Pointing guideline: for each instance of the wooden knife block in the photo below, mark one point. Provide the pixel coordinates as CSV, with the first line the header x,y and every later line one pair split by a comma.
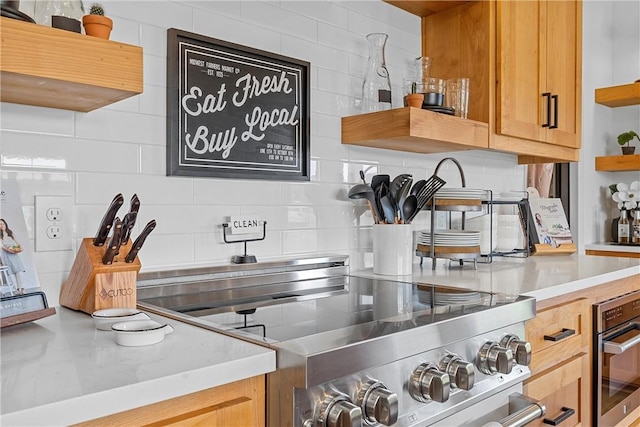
x,y
93,286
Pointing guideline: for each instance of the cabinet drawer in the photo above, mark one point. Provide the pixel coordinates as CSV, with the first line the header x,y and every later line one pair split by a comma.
x,y
562,390
559,332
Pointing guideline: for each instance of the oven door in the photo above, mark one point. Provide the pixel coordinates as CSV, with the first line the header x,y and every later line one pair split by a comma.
x,y
619,376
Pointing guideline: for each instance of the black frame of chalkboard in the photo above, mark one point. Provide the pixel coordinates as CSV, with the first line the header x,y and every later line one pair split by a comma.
x,y
286,156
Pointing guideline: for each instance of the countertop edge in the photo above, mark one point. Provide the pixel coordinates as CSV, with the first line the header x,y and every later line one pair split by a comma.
x,y
611,247
578,285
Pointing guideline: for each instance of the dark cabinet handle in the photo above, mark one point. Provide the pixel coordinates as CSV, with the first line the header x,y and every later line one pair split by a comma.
x,y
555,112
566,413
562,335
548,95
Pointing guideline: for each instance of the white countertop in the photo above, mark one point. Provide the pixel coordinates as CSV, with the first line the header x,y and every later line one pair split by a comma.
x,y
541,277
60,370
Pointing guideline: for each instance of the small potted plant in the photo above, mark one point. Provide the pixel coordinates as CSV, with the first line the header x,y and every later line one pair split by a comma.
x,y
624,139
414,99
96,24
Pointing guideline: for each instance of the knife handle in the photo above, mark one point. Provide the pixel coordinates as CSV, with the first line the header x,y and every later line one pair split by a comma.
x,y
140,240
107,220
114,243
128,222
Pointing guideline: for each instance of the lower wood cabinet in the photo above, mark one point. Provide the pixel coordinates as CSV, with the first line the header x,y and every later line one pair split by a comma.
x,y
562,389
560,337
238,404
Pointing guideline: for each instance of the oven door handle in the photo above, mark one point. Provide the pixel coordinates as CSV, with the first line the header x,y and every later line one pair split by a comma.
x,y
526,410
619,348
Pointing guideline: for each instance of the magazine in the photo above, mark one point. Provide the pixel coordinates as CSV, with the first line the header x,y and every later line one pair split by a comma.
x,y
549,221
17,268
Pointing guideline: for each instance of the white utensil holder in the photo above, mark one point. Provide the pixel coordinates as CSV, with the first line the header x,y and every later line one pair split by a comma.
x,y
393,249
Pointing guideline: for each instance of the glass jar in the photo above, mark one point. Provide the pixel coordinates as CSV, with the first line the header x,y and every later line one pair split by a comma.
x,y
376,89
45,9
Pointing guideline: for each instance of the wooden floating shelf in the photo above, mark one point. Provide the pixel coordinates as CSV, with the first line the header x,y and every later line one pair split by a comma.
x,y
425,8
49,67
619,96
414,130
630,162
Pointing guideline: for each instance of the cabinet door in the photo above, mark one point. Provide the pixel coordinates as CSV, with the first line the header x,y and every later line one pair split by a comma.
x,y
520,71
539,72
563,70
563,390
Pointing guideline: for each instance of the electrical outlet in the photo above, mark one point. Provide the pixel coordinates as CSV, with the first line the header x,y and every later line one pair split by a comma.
x,y
53,223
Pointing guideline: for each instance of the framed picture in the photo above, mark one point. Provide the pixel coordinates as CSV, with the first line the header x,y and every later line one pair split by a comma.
x,y
234,111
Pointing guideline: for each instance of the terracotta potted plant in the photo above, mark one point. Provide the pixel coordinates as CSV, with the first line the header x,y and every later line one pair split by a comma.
x,y
625,138
96,24
414,99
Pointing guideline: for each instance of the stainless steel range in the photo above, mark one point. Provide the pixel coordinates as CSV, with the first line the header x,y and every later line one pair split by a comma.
x,y
358,351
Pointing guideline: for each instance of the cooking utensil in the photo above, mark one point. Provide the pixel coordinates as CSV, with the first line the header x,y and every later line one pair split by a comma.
x,y
129,219
389,210
409,207
404,192
418,186
426,193
395,187
379,179
363,191
137,244
114,243
107,220
364,181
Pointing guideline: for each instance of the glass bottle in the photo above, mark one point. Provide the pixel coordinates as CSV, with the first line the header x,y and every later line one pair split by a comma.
x,y
623,227
635,227
376,89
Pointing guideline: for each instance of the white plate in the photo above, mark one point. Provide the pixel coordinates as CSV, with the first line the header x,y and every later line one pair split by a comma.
x,y
140,332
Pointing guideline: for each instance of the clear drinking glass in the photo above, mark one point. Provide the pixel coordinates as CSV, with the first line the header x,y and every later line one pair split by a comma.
x,y
457,96
376,89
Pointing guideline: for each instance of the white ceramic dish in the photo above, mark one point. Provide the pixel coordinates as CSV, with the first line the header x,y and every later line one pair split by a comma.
x,y
104,319
140,332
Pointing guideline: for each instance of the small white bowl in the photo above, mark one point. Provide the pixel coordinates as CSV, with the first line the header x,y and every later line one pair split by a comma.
x,y
140,332
104,319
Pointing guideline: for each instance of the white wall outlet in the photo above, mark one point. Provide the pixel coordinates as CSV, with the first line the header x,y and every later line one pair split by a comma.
x,y
53,223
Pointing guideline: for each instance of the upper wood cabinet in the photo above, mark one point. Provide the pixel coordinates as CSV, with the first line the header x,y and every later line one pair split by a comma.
x,y
49,67
539,72
513,52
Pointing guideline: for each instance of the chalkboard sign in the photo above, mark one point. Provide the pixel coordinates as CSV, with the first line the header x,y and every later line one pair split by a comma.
x,y
234,111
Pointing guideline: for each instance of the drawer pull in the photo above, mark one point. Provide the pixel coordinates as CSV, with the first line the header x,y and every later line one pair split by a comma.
x,y
562,335
566,413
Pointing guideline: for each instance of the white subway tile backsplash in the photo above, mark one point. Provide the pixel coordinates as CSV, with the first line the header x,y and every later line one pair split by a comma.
x,y
36,119
54,152
153,40
122,148
109,125
264,14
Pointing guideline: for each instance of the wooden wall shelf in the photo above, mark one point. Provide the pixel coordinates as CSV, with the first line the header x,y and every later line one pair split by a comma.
x,y
414,130
425,8
49,67
630,162
619,96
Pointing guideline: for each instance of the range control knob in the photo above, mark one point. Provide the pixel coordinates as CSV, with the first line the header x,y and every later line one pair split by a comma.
x,y
338,411
461,373
378,403
521,349
492,358
428,383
